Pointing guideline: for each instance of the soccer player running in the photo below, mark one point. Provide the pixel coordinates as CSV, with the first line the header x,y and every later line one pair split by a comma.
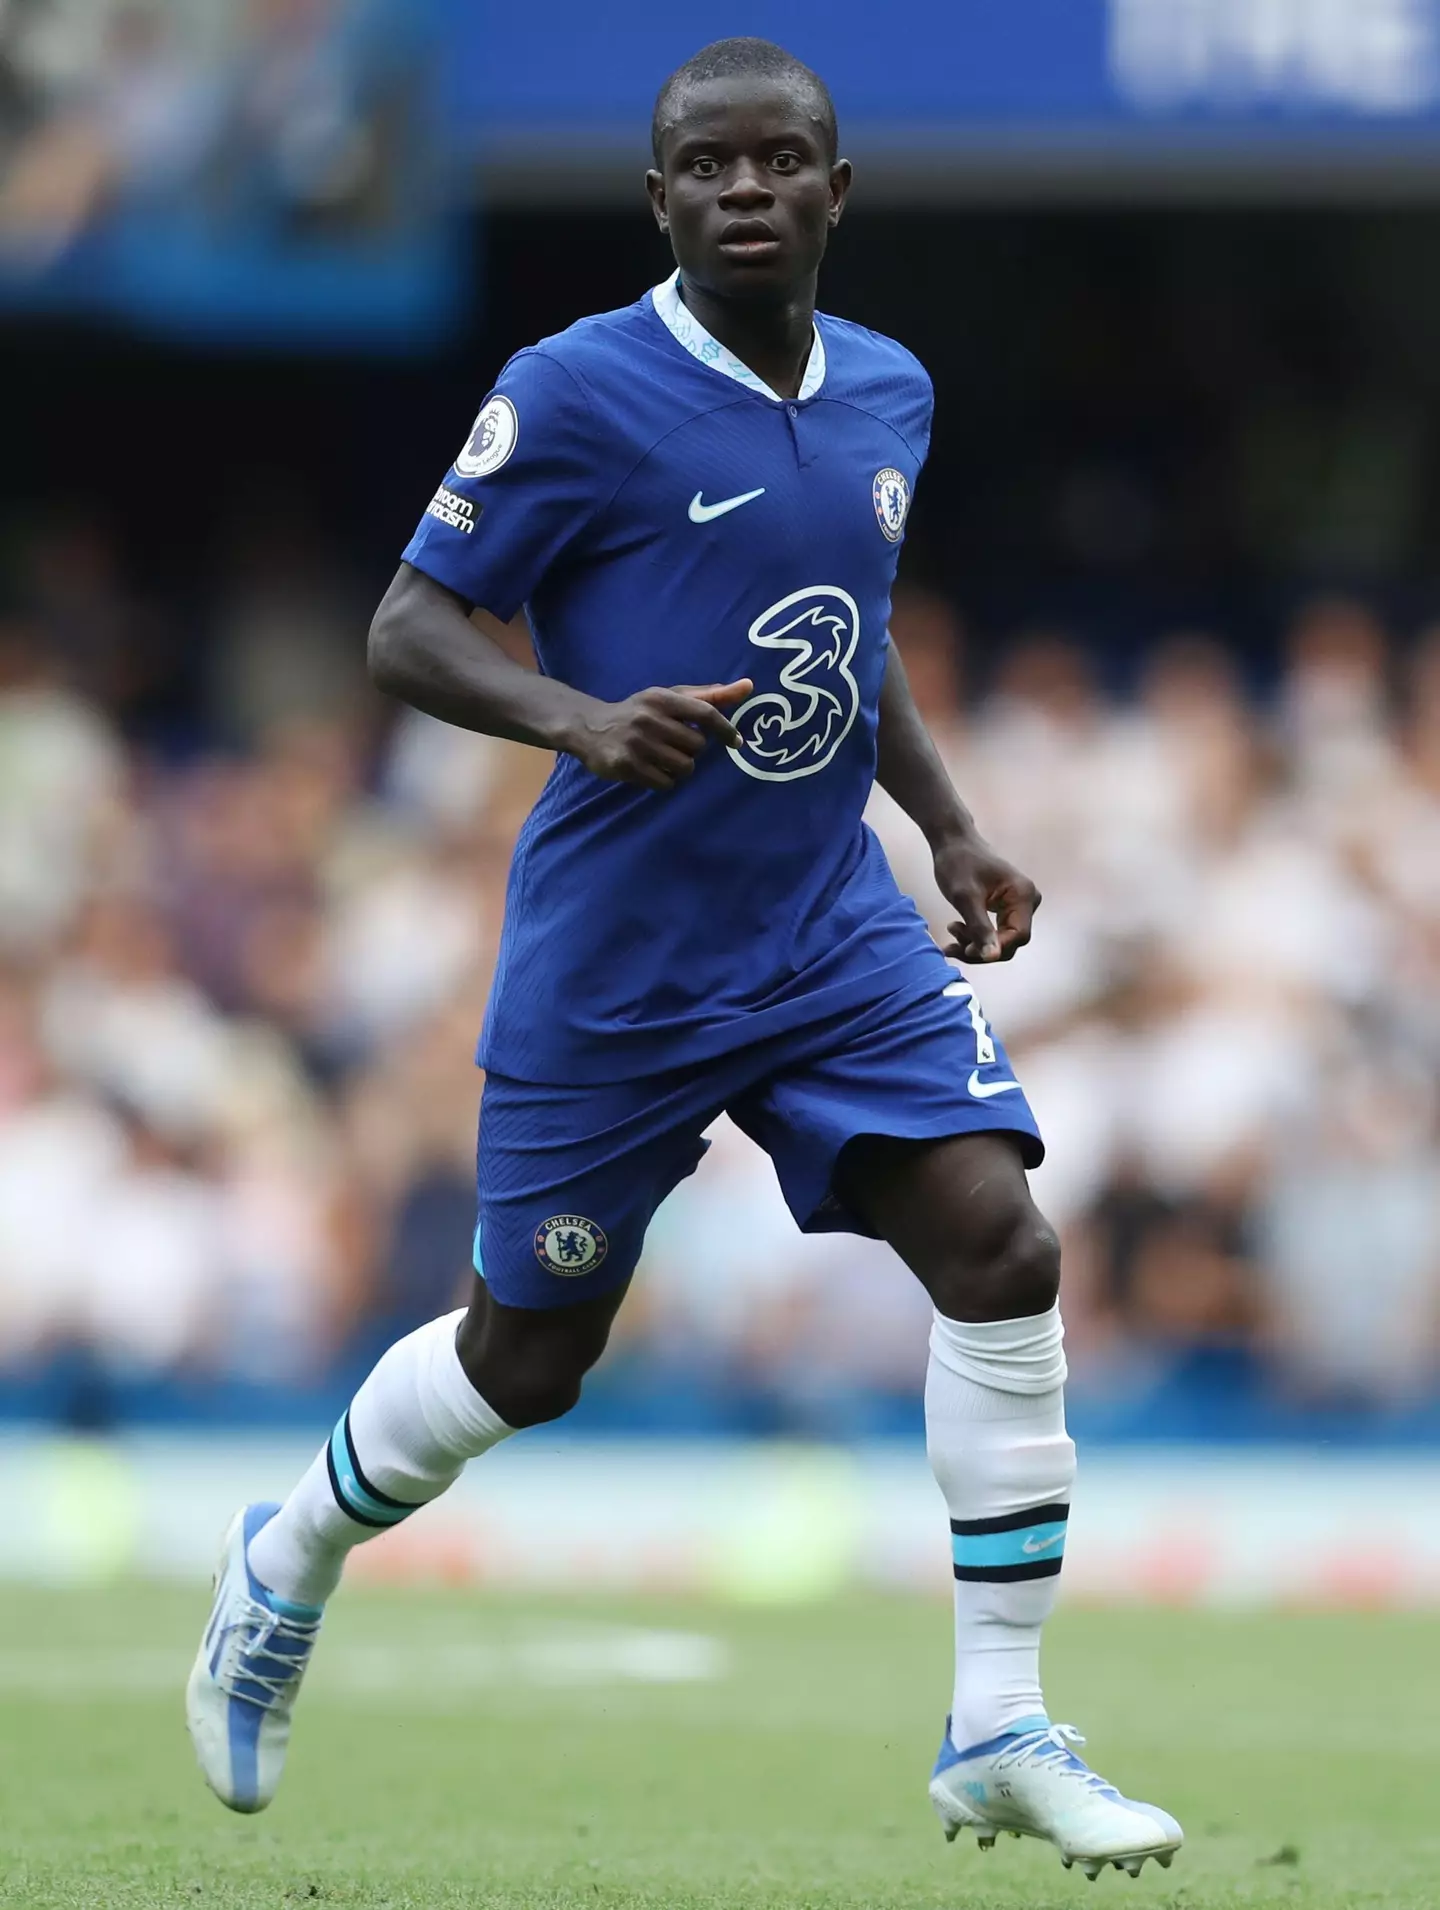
x,y
700,501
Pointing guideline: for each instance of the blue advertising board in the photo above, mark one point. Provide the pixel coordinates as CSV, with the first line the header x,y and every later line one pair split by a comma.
x,y
1259,74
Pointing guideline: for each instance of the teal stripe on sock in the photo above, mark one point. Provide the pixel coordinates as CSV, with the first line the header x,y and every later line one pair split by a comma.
x,y
287,1608
355,1495
1025,1546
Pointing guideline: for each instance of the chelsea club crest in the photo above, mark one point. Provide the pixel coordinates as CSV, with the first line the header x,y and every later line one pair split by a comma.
x,y
891,492
569,1245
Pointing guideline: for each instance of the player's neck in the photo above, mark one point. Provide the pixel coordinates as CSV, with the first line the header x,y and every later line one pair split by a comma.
x,y
773,340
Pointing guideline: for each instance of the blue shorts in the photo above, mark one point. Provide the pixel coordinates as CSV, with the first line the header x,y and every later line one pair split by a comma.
x,y
569,1177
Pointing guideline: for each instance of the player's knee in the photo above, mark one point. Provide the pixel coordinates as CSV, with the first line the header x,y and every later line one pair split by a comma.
x,y
1011,1274
526,1387
535,1397
528,1365
1031,1278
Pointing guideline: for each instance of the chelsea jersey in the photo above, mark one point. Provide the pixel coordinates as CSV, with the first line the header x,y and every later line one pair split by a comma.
x,y
665,518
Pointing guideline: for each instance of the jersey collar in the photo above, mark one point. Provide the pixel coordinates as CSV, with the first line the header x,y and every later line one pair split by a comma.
x,y
683,326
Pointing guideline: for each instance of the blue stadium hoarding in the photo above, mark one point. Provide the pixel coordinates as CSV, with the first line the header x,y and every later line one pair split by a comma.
x,y
1262,82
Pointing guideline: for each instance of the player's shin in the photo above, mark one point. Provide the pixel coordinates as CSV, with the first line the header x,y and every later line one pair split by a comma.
x,y
404,1439
995,1429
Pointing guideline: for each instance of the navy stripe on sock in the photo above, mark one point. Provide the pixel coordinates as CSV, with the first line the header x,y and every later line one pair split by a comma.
x,y
380,1498
375,1525
1011,1521
1008,1574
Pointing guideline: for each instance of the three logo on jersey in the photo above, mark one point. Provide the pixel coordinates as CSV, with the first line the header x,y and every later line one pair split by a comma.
x,y
795,729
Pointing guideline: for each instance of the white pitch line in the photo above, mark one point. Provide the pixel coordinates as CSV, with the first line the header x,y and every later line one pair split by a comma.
x,y
427,1673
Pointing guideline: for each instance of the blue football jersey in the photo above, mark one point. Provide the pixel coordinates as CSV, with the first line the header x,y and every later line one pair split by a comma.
x,y
665,518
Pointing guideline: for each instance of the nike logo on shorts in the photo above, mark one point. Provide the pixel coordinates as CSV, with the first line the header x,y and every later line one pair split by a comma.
x,y
982,1090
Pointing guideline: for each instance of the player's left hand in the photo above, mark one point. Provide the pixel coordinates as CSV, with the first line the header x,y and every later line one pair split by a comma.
x,y
996,903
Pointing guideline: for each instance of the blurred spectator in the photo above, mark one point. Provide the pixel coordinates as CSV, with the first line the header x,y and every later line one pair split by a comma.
x,y
118,1014
290,637
131,114
296,113
157,1263
60,1149
61,770
1350,1232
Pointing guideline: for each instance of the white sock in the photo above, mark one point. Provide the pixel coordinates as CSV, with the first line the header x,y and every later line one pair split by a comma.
x,y
405,1439
995,1429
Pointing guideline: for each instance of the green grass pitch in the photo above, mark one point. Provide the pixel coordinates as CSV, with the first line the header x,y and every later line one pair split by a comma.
x,y
556,1753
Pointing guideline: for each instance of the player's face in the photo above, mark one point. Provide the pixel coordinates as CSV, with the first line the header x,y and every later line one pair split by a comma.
x,y
748,194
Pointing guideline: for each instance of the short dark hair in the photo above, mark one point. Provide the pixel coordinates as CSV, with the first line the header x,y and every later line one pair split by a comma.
x,y
730,59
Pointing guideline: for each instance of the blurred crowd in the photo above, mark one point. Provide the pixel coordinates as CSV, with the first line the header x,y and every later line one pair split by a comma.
x,y
244,951
288,116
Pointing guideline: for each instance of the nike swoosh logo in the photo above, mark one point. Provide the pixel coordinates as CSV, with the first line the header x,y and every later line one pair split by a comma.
x,y
702,513
982,1090
1042,1545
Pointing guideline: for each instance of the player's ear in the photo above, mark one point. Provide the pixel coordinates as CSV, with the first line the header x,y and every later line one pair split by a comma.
x,y
841,174
655,186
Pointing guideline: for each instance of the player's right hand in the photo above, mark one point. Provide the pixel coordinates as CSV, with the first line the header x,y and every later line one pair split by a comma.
x,y
654,737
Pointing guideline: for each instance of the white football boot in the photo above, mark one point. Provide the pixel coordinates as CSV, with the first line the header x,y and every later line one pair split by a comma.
x,y
1030,1783
246,1675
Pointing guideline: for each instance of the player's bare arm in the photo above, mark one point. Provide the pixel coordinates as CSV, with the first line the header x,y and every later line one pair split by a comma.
x,y
425,650
996,903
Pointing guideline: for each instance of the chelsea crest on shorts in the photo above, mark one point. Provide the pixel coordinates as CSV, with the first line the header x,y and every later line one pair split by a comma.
x,y
569,1245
